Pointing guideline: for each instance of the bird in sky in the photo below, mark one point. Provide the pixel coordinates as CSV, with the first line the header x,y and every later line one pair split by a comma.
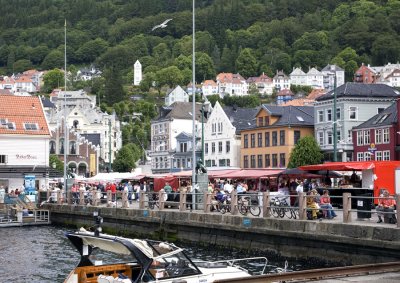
x,y
162,25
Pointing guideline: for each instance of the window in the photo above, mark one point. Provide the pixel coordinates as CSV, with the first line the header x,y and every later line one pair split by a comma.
x,y
246,141
378,155
274,138
267,160
266,120
337,113
213,147
213,128
260,121
245,161
228,162
31,126
353,113
378,136
366,137
3,159
282,137
367,156
330,137
282,160
208,163
72,147
274,160
253,140
228,146
359,138
61,146
259,138
253,161
259,161
320,116
338,136
386,155
386,138
267,139
220,127
219,147
213,163
221,162
183,147
52,147
296,136
328,114
321,138
380,110
360,156
206,148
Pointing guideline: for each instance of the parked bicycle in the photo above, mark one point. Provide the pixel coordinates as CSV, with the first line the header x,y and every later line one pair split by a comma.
x,y
245,205
225,205
280,207
153,200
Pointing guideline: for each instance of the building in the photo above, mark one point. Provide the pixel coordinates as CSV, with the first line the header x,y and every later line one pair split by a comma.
x,y
378,138
84,117
209,87
263,84
281,81
298,77
24,142
222,135
393,79
137,73
231,84
355,104
269,143
283,96
365,74
329,74
88,74
173,120
176,95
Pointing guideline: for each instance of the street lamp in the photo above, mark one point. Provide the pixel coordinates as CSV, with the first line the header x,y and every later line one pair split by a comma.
x,y
193,101
334,122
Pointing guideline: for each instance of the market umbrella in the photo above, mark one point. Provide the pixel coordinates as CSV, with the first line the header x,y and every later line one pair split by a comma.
x,y
297,173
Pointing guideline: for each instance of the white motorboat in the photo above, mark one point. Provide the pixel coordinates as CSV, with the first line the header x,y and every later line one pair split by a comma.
x,y
111,259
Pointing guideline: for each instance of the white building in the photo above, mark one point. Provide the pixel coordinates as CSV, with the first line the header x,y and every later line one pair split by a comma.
x,y
231,84
172,121
281,81
85,118
393,79
329,73
298,77
315,78
263,84
222,135
137,73
209,87
24,142
87,74
176,95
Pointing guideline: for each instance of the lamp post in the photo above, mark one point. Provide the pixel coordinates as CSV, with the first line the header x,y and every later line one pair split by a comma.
x,y
109,145
334,122
65,111
193,108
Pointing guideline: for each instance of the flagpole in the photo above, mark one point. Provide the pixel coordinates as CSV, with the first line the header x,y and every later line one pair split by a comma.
x,y
193,109
65,110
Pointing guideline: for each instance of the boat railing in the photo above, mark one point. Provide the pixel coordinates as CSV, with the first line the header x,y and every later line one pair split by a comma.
x,y
233,262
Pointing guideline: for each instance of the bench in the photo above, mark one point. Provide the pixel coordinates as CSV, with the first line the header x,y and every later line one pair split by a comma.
x,y
89,274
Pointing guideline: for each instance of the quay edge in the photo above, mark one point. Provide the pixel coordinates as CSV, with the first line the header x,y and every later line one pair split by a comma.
x,y
356,243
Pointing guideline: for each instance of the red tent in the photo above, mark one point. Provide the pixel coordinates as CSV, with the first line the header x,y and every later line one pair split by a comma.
x,y
250,173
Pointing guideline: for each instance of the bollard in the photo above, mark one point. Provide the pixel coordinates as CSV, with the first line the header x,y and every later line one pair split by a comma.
x,y
142,200
182,201
266,207
125,200
234,199
207,202
81,198
346,208
96,198
397,199
109,198
161,199
302,206
59,199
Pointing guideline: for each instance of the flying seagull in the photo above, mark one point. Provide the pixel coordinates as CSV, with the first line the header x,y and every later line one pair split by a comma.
x,y
162,25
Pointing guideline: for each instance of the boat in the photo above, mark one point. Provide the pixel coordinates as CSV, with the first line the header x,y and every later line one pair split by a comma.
x,y
111,259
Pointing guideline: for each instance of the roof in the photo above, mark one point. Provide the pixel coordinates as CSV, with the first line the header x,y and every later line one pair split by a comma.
x,y
351,89
332,68
280,74
291,115
297,72
241,118
285,92
47,103
179,110
315,93
209,83
385,118
22,115
92,138
349,166
299,102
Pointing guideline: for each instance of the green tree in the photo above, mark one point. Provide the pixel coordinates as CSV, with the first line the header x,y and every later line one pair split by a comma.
x,y
22,65
59,165
204,67
55,59
246,63
305,152
124,160
90,50
53,79
170,76
113,90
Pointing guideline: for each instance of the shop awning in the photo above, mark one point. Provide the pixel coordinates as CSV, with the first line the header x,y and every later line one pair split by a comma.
x,y
340,166
250,174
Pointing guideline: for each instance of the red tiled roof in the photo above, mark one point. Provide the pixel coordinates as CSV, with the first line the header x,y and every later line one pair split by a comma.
x,y
315,93
23,109
209,83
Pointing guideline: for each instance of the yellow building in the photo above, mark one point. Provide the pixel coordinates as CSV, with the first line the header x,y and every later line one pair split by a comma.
x,y
278,128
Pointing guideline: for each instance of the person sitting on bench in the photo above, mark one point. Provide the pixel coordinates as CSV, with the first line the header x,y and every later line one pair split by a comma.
x,y
386,205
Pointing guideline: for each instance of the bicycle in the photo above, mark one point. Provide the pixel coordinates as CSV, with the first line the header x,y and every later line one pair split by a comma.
x,y
225,206
153,200
280,207
245,206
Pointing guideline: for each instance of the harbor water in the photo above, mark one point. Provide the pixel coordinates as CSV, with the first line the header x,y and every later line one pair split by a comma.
x,y
44,255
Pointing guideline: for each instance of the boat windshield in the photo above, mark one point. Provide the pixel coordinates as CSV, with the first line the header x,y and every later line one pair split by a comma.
x,y
100,257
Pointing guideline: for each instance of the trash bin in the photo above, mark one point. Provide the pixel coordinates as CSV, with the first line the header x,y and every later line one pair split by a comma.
x,y
364,206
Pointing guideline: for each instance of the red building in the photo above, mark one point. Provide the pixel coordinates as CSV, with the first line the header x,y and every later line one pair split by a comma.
x,y
379,137
365,74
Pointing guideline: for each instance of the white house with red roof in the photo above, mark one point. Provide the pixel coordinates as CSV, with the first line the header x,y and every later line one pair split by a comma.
x,y
24,142
231,84
263,83
209,87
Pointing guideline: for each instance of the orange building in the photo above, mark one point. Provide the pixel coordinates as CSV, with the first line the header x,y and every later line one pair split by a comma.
x,y
278,128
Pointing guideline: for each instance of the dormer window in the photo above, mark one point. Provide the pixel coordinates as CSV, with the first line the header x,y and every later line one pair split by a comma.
x,y
31,126
3,122
10,126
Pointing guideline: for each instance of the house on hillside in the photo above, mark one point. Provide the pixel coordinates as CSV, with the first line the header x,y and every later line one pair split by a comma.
x,y
176,95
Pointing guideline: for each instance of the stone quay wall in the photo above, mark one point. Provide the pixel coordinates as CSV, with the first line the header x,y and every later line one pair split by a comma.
x,y
357,244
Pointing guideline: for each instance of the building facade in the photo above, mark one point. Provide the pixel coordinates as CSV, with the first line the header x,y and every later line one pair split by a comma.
x,y
137,73
176,95
278,128
355,104
329,73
